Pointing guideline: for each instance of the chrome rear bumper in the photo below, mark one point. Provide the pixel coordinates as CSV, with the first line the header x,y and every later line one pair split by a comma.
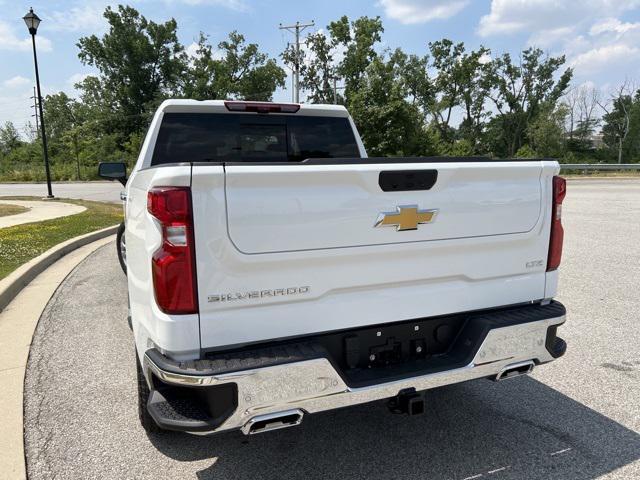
x,y
315,386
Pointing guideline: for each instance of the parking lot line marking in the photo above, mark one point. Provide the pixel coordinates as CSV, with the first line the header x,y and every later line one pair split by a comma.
x,y
490,472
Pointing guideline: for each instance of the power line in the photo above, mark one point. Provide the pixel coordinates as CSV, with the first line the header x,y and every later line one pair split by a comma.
x,y
296,29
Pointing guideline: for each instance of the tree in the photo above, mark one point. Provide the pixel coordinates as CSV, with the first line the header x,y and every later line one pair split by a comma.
x,y
30,131
632,143
582,107
239,70
546,133
617,118
92,131
447,61
473,69
73,123
344,53
9,138
388,123
318,67
414,71
140,62
59,110
519,91
358,40
61,113
446,79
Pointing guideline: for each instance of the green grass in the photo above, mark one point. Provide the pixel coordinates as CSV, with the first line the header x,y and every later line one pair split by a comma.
x,y
6,210
21,243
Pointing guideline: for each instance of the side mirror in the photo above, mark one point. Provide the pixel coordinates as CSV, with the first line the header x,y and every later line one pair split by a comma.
x,y
113,171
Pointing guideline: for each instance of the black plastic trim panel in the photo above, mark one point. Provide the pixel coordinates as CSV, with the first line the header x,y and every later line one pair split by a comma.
x,y
229,362
555,345
407,180
461,351
191,409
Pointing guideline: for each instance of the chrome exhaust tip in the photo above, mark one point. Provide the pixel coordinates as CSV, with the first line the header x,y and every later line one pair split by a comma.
x,y
273,421
515,370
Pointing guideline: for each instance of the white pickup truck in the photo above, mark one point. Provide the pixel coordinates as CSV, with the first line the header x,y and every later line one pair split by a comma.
x,y
274,270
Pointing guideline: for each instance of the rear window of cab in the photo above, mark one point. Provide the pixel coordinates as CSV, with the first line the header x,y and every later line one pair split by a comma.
x,y
211,137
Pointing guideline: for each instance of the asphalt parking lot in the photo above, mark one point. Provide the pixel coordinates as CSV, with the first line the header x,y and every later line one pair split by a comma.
x,y
577,418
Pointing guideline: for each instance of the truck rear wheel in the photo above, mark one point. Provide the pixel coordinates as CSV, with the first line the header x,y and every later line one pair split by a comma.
x,y
146,420
121,246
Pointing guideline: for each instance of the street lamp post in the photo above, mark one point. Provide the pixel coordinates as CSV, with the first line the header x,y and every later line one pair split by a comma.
x,y
32,21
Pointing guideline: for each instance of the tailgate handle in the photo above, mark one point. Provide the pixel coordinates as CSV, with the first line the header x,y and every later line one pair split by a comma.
x,y
407,180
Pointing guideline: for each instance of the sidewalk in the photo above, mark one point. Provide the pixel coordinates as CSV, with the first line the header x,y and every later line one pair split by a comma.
x,y
38,211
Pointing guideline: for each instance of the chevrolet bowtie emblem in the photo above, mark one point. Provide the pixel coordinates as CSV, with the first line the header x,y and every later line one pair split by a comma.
x,y
407,217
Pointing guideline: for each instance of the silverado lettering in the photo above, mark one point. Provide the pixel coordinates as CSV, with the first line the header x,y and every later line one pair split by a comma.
x,y
225,297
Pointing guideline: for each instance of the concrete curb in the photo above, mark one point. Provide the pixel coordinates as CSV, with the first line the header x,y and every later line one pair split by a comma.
x,y
17,280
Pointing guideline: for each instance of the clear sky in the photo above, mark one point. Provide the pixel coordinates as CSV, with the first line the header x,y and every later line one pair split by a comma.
x,y
601,38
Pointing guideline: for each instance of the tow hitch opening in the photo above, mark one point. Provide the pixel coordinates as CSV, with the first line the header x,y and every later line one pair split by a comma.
x,y
408,401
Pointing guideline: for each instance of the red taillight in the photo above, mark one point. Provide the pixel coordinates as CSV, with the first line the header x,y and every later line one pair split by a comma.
x,y
557,232
173,264
261,107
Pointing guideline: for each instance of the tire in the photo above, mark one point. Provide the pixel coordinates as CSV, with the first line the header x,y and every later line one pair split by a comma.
x,y
121,246
146,420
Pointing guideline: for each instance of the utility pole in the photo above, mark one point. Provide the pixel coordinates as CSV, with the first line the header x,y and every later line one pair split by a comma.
x,y
335,90
35,108
296,29
293,81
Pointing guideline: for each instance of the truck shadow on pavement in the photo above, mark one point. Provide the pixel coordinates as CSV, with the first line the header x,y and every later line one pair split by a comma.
x,y
514,429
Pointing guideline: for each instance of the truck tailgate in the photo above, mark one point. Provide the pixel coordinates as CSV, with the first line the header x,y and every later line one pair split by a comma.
x,y
308,207
288,250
